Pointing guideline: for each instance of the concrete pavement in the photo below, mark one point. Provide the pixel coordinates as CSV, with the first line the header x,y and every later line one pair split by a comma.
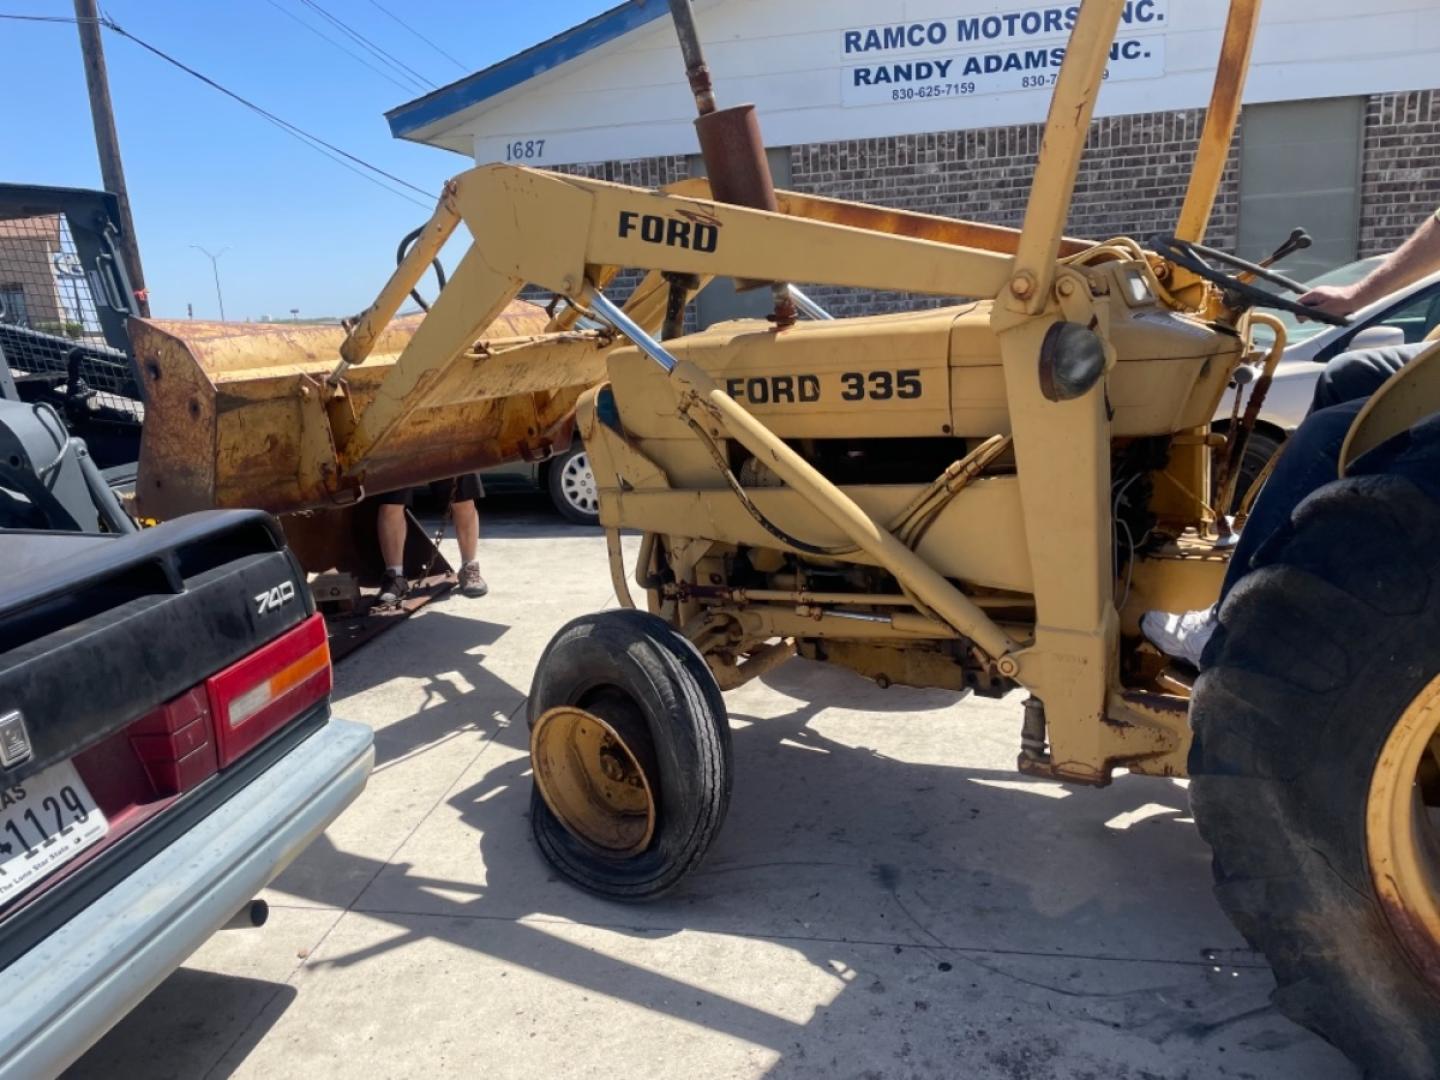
x,y
888,899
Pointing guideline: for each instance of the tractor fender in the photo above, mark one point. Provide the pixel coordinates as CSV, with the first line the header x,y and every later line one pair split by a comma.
x,y
1406,398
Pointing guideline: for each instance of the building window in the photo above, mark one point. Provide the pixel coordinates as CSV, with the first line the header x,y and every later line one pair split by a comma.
x,y
13,308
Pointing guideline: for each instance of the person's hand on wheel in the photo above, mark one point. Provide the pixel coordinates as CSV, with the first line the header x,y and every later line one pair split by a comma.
x,y
1332,299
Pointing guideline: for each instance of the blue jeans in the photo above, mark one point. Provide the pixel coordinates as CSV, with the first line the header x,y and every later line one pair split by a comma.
x,y
1311,459
1358,374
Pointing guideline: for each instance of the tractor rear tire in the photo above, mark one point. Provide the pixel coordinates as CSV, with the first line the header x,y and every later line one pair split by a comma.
x,y
636,662
1320,651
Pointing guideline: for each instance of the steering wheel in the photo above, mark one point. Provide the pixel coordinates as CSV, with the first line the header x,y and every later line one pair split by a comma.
x,y
1193,257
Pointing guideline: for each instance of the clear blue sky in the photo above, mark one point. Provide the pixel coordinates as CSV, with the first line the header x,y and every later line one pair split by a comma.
x,y
301,231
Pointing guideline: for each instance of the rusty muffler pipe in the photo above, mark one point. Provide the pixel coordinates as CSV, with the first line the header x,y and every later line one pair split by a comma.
x,y
734,153
730,144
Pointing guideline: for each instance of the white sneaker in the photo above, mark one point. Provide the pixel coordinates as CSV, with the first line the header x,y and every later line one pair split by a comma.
x,y
1182,636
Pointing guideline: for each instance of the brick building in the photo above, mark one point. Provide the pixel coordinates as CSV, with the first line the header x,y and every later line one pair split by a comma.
x,y
1340,130
30,292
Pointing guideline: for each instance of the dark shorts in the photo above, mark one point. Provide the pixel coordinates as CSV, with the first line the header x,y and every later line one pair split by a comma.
x,y
466,488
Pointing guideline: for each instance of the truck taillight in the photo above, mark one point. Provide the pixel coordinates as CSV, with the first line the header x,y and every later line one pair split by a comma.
x,y
256,696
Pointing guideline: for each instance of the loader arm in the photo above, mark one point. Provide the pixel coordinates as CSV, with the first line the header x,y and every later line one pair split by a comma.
x,y
973,234
265,415
562,233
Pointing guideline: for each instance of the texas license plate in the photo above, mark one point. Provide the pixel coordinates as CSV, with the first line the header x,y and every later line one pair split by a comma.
x,y
45,821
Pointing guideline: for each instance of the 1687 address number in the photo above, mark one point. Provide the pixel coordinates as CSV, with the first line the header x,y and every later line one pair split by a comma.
x,y
525,150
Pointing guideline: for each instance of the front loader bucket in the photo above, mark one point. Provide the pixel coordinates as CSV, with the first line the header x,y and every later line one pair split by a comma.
x,y
236,413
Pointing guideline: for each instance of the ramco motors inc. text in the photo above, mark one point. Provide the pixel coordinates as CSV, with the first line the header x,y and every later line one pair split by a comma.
x,y
1010,25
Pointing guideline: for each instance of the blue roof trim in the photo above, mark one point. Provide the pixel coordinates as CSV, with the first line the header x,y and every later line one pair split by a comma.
x,y
523,66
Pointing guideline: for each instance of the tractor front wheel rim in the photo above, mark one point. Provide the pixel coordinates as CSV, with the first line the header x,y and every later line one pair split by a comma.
x,y
1402,831
591,773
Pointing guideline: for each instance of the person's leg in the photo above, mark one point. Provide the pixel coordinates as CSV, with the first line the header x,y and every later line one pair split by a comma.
x,y
466,489
1359,373
467,530
390,527
1309,461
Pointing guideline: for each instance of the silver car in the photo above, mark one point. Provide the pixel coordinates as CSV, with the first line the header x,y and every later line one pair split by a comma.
x,y
166,740
566,478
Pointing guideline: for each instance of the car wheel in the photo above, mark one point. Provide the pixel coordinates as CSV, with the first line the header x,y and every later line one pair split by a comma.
x,y
572,486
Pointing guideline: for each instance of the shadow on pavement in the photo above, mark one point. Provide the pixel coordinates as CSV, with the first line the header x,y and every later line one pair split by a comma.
x,y
454,681
454,675
177,1042
965,921
875,868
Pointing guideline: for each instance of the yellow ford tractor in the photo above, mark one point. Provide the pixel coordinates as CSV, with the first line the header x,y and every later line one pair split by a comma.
x,y
979,497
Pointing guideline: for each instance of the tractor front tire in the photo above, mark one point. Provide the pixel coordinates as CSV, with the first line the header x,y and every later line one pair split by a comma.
x,y
1322,655
630,673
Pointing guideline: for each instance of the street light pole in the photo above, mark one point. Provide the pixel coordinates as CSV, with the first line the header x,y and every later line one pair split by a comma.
x,y
215,266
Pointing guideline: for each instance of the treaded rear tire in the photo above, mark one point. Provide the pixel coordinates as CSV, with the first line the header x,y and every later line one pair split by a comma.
x,y
662,673
1319,651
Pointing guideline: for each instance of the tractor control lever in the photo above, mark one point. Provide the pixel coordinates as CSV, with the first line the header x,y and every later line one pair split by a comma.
x,y
1299,240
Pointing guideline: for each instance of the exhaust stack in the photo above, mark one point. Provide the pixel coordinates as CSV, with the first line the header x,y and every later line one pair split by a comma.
x,y
731,146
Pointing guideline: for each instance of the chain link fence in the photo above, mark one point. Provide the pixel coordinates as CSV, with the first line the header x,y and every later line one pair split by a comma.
x,y
50,328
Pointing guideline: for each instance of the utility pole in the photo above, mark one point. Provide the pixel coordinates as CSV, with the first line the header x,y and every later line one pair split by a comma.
x,y
107,143
215,267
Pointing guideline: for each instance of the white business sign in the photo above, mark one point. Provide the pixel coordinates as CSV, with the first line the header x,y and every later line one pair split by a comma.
x,y
999,53
827,70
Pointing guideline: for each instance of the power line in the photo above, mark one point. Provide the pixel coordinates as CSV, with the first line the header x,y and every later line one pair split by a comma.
x,y
461,65
335,153
285,124
375,50
48,18
338,45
